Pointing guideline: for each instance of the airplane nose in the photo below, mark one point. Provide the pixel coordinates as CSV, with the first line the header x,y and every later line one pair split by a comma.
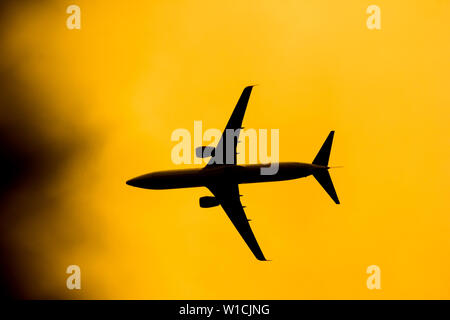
x,y
133,182
145,181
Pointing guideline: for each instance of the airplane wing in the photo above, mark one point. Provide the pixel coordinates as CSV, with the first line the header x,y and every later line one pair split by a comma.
x,y
229,198
226,150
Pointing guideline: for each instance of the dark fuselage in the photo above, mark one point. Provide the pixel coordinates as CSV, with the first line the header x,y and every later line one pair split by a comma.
x,y
235,174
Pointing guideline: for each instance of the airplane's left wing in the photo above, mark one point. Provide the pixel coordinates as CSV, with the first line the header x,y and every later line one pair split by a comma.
x,y
224,153
229,198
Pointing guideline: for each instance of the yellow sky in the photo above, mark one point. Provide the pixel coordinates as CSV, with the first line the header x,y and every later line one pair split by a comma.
x,y
138,70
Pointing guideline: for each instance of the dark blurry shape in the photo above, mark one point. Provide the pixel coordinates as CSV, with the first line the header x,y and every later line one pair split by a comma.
x,y
33,160
223,179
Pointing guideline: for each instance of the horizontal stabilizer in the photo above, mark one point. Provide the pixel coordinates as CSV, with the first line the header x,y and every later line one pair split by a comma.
x,y
323,155
323,177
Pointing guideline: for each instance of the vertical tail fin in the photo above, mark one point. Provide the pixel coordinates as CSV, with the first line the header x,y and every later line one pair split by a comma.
x,y
322,175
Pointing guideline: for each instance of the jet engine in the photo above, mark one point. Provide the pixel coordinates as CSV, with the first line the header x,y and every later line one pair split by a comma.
x,y
208,202
204,152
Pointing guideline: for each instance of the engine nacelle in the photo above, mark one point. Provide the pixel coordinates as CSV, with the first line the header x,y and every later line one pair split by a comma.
x,y
204,152
208,202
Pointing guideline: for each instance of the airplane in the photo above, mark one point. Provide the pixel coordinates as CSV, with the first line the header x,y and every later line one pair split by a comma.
x,y
223,179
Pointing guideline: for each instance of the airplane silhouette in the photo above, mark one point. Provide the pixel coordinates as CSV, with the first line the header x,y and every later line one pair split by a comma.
x,y
223,179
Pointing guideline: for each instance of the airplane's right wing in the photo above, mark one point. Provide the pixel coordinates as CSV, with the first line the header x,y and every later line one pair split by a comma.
x,y
229,198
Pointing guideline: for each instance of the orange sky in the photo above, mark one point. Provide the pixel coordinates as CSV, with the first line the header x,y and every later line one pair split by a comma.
x,y
138,70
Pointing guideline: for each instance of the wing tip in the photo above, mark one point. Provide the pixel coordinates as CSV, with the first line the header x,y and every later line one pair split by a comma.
x,y
261,257
251,86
